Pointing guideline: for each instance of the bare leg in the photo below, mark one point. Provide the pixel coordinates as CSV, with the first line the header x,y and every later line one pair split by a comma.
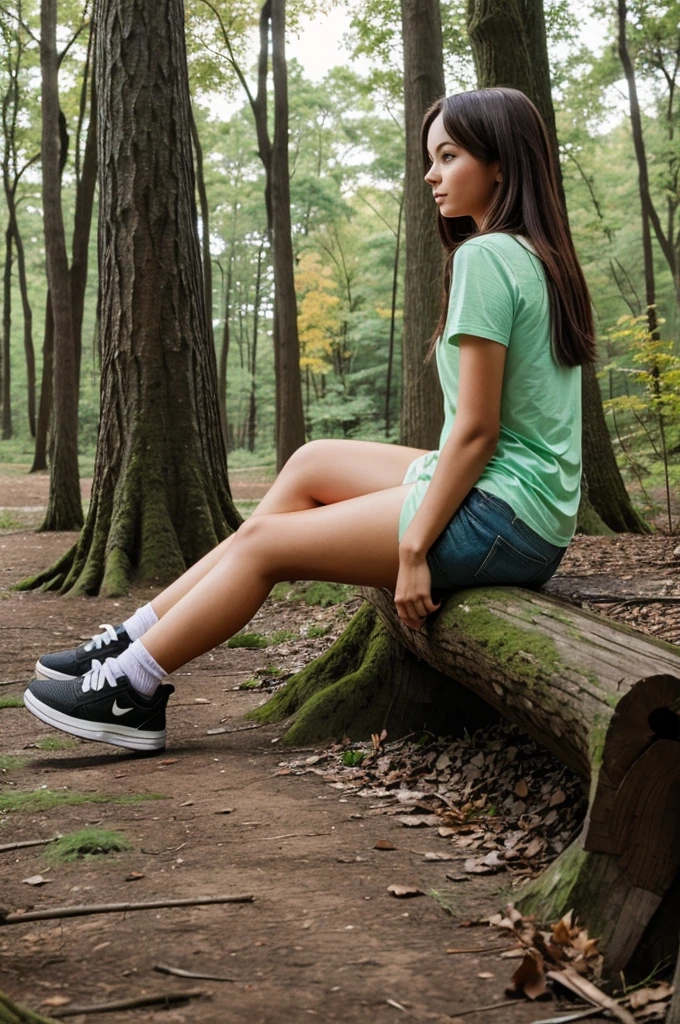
x,y
320,473
352,541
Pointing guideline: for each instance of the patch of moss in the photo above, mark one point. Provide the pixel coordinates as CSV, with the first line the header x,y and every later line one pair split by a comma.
x,y
46,799
326,594
250,640
55,743
8,763
315,631
85,844
285,591
280,636
507,643
11,702
352,758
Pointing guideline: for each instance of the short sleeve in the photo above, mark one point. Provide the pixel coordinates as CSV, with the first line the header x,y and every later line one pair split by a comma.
x,y
483,295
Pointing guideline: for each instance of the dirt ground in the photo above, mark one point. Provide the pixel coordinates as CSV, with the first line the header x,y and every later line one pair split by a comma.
x,y
323,938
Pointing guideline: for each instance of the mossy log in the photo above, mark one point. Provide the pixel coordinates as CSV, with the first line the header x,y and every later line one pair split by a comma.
x,y
365,683
606,700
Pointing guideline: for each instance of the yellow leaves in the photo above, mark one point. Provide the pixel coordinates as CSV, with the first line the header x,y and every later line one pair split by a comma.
x,y
318,319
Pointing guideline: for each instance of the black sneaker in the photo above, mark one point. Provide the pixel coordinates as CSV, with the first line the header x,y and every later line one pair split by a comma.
x,y
97,706
70,664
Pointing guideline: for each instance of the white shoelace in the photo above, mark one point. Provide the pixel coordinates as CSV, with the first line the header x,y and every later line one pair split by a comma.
x,y
102,639
98,675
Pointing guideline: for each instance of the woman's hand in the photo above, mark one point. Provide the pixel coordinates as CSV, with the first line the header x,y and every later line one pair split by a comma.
x,y
413,597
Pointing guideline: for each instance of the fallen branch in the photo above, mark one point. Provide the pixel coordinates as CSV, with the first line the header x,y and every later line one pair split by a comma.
x,y
27,842
617,599
166,999
115,908
11,682
295,835
480,949
181,973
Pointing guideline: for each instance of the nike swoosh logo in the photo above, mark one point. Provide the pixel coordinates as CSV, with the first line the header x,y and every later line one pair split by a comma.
x,y
118,710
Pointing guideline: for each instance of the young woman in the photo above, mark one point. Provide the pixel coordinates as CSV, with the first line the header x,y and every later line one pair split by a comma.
x,y
495,504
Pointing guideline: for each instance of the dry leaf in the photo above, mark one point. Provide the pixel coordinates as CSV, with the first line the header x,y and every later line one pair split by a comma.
x,y
419,820
134,875
36,880
643,996
404,891
521,789
384,844
557,798
571,980
56,1001
169,760
439,856
529,978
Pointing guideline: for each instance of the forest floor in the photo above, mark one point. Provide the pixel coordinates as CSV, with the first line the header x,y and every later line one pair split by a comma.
x,y
324,938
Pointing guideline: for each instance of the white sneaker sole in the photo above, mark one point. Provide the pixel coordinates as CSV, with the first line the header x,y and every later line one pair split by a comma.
x,y
116,735
43,672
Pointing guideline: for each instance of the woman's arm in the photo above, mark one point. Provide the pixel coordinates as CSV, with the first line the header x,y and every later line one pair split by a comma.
x,y
467,450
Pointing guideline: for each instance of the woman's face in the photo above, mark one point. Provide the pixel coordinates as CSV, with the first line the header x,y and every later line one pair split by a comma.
x,y
462,185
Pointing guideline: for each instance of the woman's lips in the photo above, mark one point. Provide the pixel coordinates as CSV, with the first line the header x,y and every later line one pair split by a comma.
x,y
439,199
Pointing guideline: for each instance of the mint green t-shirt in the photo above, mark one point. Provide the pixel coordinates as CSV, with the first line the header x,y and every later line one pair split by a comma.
x,y
499,291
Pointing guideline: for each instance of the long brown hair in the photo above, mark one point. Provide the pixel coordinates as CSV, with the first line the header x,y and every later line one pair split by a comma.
x,y
503,124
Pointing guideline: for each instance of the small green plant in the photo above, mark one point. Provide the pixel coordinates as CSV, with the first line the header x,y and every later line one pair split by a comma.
x,y
284,592
352,758
10,764
280,636
250,684
315,631
247,640
326,594
46,799
55,743
8,522
272,670
11,702
86,843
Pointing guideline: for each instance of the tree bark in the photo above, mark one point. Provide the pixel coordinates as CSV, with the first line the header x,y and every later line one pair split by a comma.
x,y
603,698
509,47
29,351
45,405
160,496
290,421
393,318
7,430
205,225
64,510
422,408
252,398
83,223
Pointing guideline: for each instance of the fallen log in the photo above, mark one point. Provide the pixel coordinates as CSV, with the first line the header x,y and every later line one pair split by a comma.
x,y
604,699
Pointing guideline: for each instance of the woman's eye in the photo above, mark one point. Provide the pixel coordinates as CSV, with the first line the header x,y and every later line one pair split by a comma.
x,y
448,156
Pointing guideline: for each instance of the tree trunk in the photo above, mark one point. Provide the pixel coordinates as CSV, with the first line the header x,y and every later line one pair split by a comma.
x,y
509,48
205,226
252,398
290,422
82,225
64,510
6,338
422,408
29,350
160,496
45,406
393,317
603,698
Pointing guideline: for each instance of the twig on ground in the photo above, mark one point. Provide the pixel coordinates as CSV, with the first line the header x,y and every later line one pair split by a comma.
x,y
165,999
489,1006
27,842
617,599
296,835
481,949
181,973
112,908
22,1013
11,682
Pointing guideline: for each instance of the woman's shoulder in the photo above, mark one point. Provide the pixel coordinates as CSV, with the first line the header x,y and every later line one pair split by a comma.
x,y
501,242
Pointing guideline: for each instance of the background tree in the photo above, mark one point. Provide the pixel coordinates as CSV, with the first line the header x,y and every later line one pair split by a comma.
x,y
510,48
422,408
160,495
64,510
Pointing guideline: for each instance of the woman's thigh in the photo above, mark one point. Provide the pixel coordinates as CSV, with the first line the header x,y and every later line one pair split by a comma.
x,y
326,471
352,541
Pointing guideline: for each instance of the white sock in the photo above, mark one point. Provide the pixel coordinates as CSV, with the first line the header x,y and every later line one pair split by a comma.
x,y
143,671
143,619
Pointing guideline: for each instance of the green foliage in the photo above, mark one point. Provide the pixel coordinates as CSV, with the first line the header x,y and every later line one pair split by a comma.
x,y
86,844
47,799
280,636
247,640
9,522
9,763
250,684
314,631
352,758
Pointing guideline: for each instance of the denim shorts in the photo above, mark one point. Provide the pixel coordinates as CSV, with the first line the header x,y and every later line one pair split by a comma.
x,y
486,544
